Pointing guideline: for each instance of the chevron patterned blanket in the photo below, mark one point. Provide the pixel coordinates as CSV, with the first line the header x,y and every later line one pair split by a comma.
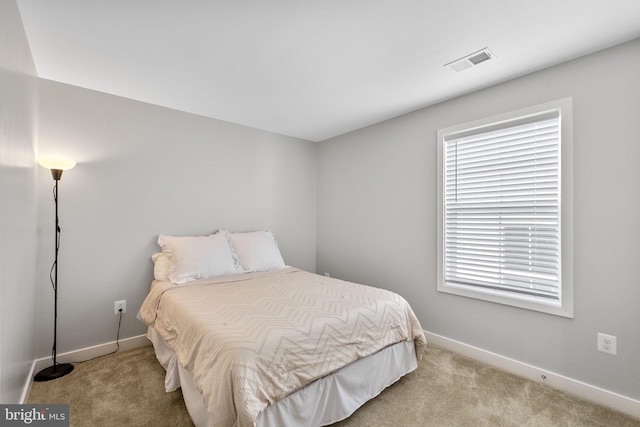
x,y
249,340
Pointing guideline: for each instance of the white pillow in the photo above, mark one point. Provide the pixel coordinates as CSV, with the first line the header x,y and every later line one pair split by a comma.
x,y
161,266
198,257
256,251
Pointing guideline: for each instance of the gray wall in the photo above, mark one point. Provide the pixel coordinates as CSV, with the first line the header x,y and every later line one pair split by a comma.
x,y
18,96
377,219
142,171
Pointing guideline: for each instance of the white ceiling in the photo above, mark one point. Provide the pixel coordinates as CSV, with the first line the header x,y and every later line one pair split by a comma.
x,y
310,69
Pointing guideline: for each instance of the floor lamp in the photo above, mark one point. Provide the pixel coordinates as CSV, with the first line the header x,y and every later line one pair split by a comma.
x,y
57,166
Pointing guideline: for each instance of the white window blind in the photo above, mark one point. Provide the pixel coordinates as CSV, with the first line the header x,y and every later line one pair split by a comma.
x,y
502,208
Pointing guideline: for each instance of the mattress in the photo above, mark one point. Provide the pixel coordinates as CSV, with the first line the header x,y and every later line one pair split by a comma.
x,y
250,341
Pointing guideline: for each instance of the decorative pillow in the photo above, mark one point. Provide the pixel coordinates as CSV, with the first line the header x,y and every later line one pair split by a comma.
x,y
256,251
198,257
161,266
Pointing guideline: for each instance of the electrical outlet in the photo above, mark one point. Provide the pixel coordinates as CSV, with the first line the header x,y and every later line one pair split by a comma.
x,y
120,305
607,344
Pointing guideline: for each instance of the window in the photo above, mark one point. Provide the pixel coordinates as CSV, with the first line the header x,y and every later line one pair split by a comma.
x,y
504,209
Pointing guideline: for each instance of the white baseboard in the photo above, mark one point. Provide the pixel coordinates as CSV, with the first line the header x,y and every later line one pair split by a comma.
x,y
578,388
83,354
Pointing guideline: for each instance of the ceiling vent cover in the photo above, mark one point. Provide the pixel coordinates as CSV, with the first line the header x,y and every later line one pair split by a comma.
x,y
470,60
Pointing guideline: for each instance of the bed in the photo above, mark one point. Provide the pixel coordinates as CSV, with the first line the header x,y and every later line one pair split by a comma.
x,y
252,341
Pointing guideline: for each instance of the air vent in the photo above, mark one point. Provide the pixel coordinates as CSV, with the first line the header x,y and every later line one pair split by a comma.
x,y
471,60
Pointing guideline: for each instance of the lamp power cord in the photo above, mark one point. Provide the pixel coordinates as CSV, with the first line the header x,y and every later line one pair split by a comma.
x,y
117,343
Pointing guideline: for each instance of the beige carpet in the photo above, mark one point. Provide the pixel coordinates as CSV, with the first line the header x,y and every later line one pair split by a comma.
x,y
127,389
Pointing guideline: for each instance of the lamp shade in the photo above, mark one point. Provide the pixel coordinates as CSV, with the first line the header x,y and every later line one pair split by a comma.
x,y
54,163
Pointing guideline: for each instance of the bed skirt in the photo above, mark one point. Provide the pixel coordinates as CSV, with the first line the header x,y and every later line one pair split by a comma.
x,y
325,401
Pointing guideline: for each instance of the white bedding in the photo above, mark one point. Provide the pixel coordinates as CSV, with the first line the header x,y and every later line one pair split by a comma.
x,y
251,340
323,402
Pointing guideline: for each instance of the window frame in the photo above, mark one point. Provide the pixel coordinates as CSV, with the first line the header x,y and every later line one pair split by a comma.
x,y
564,307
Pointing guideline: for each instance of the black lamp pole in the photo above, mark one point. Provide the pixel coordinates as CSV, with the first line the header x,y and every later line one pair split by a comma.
x,y
58,369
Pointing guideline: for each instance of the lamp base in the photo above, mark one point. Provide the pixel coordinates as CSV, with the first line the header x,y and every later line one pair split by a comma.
x,y
53,372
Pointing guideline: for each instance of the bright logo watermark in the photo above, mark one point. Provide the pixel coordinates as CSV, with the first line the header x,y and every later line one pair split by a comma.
x,y
34,415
